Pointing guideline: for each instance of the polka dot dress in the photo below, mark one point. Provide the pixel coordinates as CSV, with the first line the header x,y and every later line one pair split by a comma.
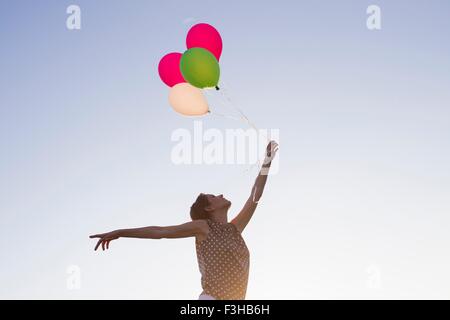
x,y
224,261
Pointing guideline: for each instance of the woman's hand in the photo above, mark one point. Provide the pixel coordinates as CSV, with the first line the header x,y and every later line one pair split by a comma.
x,y
271,151
105,239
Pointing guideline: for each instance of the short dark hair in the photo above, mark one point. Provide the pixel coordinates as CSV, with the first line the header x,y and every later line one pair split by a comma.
x,y
198,207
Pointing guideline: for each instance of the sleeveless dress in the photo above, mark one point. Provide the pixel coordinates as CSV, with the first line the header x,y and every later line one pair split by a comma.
x,y
224,262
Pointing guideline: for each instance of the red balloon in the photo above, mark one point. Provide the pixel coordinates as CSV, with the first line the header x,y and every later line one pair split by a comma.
x,y
205,36
169,69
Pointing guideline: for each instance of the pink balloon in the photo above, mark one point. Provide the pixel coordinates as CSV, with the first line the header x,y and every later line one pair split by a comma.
x,y
169,69
205,36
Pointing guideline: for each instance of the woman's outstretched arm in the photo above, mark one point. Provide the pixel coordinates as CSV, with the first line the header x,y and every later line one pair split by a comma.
x,y
244,216
189,229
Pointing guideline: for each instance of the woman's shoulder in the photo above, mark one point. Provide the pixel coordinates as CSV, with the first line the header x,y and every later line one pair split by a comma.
x,y
204,229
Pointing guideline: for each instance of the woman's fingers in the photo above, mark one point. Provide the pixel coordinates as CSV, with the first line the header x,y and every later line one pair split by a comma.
x,y
104,242
105,239
98,244
272,148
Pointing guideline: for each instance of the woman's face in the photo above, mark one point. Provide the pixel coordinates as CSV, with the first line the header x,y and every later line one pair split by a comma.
x,y
218,202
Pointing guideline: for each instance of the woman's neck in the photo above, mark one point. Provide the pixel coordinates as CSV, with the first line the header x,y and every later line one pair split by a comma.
x,y
220,216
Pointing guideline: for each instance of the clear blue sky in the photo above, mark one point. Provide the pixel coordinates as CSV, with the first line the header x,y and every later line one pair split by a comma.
x,y
364,124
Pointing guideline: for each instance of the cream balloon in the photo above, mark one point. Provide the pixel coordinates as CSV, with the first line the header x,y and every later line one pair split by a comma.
x,y
188,100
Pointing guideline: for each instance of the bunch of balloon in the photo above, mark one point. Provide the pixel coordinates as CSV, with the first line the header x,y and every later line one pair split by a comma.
x,y
197,68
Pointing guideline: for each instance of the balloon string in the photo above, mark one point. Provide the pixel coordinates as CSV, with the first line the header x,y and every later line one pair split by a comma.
x,y
231,105
214,113
241,118
228,103
244,117
224,101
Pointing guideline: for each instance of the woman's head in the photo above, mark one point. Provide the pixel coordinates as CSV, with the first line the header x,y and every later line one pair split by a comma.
x,y
208,204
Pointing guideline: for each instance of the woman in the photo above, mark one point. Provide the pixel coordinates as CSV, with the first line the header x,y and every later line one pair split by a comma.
x,y
222,254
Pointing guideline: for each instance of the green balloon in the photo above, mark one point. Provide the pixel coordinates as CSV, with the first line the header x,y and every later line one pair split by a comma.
x,y
200,68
